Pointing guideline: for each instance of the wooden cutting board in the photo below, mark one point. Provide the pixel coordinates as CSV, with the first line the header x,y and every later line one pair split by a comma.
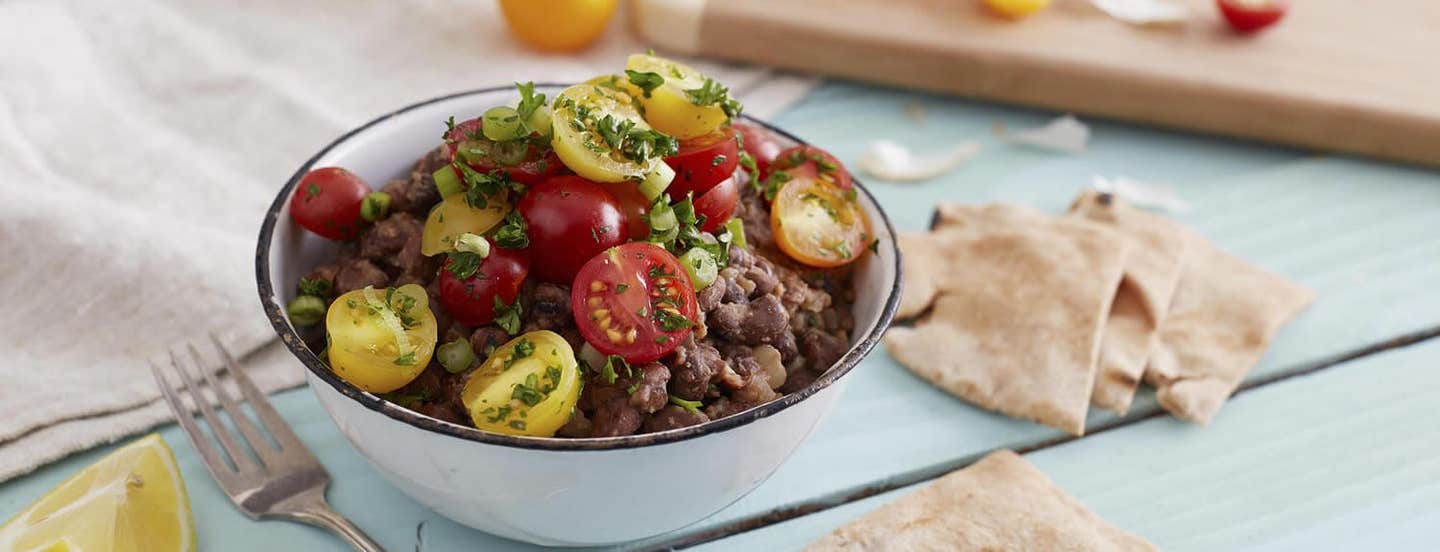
x,y
1342,75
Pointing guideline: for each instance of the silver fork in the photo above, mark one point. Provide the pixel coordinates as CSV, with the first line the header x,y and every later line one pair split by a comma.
x,y
284,481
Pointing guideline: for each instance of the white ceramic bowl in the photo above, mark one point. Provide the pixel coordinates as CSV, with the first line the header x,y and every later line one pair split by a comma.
x,y
550,491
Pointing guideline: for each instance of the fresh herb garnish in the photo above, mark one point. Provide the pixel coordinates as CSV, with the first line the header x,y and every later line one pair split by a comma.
x,y
407,359
311,191
480,187
713,93
670,320
717,160
513,234
647,81
463,264
773,183
508,316
318,287
529,100
610,372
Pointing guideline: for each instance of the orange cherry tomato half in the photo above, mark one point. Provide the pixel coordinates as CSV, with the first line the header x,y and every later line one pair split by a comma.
x,y
634,300
817,222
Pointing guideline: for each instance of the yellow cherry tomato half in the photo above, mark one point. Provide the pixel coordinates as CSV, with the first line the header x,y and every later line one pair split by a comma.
x,y
558,25
454,217
381,339
578,141
671,105
528,386
816,222
1016,9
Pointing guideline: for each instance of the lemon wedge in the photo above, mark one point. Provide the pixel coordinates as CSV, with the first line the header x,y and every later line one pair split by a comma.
x,y
132,500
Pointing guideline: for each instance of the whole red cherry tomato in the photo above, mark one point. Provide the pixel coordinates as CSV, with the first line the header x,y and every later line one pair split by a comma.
x,y
760,144
327,202
1248,16
635,301
523,160
825,164
569,219
633,204
469,291
702,163
718,204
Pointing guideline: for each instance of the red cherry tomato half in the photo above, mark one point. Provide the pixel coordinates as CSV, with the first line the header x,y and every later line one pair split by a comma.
x,y
760,144
718,204
327,202
525,162
1248,16
471,300
702,163
825,164
633,204
635,301
570,219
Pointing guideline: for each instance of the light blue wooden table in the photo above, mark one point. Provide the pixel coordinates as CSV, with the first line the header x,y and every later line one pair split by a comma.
x,y
1332,442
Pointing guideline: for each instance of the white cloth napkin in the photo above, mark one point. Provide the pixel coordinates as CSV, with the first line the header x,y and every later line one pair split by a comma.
x,y
142,140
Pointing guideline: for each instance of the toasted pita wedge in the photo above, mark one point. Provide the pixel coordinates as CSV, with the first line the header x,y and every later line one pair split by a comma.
x,y
1223,316
924,266
1152,270
999,503
1015,325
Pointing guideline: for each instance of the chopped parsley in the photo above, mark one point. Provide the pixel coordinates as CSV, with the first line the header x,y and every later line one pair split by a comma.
x,y
529,100
480,187
714,93
318,287
513,234
463,264
620,288
717,161
773,183
647,81
670,320
823,203
508,316
407,359
311,191
609,372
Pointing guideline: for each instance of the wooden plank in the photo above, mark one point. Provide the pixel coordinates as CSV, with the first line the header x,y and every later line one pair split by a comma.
x,y
1345,459
1297,83
1362,234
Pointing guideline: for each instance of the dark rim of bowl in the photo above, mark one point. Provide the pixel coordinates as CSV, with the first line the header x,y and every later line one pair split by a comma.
x,y
276,313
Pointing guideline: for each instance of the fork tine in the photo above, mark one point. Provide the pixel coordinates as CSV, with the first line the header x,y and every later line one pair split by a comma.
x,y
268,454
242,461
186,417
272,420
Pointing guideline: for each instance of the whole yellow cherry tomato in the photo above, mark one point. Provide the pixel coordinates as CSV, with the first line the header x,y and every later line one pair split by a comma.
x,y
671,105
528,386
454,216
558,25
380,339
1016,9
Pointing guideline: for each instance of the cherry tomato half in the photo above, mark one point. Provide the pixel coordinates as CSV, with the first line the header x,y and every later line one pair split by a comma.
x,y
826,164
469,294
633,204
524,161
1248,16
816,222
327,202
702,163
760,144
718,204
634,301
570,219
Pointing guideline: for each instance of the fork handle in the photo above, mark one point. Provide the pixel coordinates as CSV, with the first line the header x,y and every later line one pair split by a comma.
x,y
320,514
